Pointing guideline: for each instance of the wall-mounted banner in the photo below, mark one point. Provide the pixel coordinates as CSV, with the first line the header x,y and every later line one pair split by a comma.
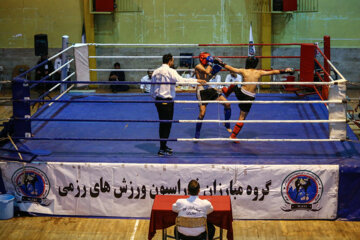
x,y
128,190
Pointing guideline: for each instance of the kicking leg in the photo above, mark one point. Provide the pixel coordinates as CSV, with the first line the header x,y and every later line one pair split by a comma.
x,y
239,126
201,116
228,90
227,112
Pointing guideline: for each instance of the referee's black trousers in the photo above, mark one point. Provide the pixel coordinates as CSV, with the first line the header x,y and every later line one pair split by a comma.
x,y
165,112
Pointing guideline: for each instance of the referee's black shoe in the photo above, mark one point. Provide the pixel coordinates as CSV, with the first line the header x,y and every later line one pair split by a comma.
x,y
165,152
168,150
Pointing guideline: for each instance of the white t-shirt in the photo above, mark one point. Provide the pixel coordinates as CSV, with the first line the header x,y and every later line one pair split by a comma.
x,y
230,78
145,87
192,207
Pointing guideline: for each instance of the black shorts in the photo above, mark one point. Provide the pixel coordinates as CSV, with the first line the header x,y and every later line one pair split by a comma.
x,y
242,96
209,94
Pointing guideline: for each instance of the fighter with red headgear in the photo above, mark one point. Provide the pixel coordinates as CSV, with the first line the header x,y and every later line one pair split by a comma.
x,y
206,70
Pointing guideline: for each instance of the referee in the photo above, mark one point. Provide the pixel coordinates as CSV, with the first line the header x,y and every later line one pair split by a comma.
x,y
166,92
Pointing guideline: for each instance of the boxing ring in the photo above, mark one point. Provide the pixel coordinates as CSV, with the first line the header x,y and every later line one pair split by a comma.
x,y
90,154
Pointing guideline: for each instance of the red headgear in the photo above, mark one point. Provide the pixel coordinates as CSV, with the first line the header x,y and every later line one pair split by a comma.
x,y
203,56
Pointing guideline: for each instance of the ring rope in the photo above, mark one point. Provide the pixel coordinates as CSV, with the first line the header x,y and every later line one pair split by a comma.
x,y
191,45
190,57
54,87
322,68
37,82
183,83
179,121
183,139
179,101
62,94
61,67
256,140
16,148
5,81
337,71
64,80
61,52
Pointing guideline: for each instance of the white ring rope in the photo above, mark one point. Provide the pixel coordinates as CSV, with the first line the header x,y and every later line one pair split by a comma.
x,y
255,140
62,94
259,101
59,53
262,121
132,70
5,81
337,71
51,89
61,67
226,83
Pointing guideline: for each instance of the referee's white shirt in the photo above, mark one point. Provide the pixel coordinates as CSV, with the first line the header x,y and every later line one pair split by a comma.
x,y
192,207
165,74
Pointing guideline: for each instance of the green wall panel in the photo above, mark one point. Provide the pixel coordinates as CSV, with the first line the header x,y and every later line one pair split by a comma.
x,y
339,19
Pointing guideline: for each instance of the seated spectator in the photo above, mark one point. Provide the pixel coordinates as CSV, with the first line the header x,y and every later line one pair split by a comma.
x,y
194,207
118,76
217,79
147,78
233,77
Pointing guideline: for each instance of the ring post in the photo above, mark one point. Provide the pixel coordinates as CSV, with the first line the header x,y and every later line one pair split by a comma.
x,y
21,109
64,59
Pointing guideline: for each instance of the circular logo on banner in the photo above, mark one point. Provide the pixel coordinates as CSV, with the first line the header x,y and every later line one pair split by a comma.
x,y
31,182
301,189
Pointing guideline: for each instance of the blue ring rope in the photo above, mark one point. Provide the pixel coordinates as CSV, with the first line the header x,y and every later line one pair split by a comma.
x,y
97,101
101,139
95,120
19,77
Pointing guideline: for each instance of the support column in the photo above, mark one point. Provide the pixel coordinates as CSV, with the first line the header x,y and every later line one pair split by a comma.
x,y
266,37
90,37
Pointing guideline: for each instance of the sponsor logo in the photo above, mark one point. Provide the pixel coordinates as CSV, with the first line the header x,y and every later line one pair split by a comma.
x,y
301,190
32,185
